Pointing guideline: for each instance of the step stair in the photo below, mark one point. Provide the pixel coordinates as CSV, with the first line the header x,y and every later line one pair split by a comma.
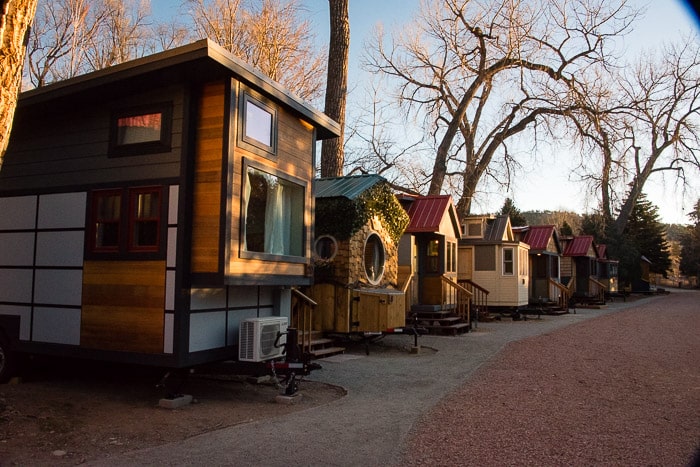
x,y
438,321
322,347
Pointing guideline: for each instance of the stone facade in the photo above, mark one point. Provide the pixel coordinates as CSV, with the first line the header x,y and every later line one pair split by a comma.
x,y
348,265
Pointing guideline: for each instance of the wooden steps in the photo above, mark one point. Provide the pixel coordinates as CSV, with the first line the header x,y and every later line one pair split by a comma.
x,y
438,321
323,346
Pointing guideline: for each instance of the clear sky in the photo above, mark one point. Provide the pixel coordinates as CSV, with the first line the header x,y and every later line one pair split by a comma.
x,y
547,188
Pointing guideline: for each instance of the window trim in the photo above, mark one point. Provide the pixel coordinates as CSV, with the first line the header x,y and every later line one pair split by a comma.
x,y
250,143
511,262
125,248
380,276
132,220
163,144
246,254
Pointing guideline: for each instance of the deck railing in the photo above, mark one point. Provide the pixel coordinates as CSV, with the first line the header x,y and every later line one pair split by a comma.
x,y
407,289
560,292
460,296
302,318
596,289
480,297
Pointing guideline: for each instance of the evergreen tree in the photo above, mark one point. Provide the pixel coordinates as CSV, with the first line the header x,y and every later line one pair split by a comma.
x,y
690,245
644,235
516,217
565,229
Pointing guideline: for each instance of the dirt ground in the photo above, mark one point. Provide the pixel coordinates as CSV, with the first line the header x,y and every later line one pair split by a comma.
x,y
68,414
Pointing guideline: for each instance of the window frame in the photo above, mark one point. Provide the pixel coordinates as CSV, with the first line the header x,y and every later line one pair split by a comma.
x,y
506,262
248,142
377,279
243,253
125,249
162,144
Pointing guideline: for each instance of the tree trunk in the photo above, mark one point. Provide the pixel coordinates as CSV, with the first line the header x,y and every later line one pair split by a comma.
x,y
15,18
332,156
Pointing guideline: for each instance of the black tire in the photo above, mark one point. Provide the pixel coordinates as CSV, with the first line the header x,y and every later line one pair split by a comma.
x,y
7,361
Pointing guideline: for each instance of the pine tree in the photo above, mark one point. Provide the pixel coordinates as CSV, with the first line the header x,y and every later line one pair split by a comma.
x,y
690,245
516,217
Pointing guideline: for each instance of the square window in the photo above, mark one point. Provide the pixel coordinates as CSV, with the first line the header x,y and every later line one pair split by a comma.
x,y
126,222
141,130
258,122
273,215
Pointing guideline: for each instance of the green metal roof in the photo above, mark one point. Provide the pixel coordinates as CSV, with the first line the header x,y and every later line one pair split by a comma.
x,y
346,187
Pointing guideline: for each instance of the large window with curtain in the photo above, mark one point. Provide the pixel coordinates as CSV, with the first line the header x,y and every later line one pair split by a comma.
x,y
273,215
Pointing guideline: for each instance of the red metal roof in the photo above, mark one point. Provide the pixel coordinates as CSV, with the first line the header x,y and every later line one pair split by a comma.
x,y
426,213
538,236
579,246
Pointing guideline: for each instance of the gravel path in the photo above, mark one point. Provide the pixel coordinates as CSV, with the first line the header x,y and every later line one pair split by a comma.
x,y
622,389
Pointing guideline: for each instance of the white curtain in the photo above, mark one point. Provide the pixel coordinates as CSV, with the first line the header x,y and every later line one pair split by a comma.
x,y
277,218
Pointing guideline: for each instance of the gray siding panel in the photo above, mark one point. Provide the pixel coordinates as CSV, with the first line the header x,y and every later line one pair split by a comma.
x,y
58,150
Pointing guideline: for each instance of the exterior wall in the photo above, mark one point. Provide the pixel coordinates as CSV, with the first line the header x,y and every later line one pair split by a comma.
x,y
294,159
504,290
63,299
73,143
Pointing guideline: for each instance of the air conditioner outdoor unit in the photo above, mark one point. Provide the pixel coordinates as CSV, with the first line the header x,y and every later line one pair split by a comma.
x,y
257,338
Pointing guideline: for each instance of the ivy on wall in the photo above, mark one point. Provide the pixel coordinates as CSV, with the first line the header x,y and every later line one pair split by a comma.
x,y
342,217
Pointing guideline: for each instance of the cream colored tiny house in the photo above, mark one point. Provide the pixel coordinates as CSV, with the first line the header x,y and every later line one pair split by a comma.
x,y
490,256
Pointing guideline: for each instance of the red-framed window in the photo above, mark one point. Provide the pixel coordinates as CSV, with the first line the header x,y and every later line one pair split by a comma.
x,y
126,222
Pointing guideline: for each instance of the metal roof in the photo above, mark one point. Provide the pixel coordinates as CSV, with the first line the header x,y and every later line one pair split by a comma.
x,y
537,236
426,213
200,51
496,228
579,246
346,187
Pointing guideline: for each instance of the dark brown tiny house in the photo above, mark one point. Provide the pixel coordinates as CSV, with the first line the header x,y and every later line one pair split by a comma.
x,y
151,208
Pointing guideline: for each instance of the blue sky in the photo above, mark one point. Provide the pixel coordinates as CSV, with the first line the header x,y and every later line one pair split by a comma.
x,y
547,188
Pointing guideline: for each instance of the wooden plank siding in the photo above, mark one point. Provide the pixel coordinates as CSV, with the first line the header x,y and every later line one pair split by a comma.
x,y
294,158
208,177
123,306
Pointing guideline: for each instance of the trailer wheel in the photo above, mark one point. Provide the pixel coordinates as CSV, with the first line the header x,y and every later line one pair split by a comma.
x,y
7,361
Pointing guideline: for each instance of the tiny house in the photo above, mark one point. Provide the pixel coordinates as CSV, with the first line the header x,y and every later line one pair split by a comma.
x,y
152,208
545,257
580,266
358,226
607,270
491,256
428,248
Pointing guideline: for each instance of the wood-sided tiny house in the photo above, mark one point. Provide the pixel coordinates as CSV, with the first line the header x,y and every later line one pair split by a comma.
x,y
491,256
150,208
608,271
545,258
580,266
358,226
428,249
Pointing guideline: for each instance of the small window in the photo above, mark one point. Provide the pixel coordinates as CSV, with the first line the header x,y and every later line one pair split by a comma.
x,y
106,216
433,256
141,130
326,247
374,258
126,222
259,126
451,257
144,225
273,215
507,261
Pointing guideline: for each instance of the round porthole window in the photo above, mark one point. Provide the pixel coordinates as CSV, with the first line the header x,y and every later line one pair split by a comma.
x,y
374,258
326,247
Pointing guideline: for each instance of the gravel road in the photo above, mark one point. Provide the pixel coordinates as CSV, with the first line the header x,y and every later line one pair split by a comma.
x,y
623,389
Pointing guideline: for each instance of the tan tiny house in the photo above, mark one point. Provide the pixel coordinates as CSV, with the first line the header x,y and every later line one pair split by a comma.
x,y
493,258
154,208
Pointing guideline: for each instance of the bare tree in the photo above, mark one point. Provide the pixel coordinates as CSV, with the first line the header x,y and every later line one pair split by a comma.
x,y
269,35
332,155
484,71
15,18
